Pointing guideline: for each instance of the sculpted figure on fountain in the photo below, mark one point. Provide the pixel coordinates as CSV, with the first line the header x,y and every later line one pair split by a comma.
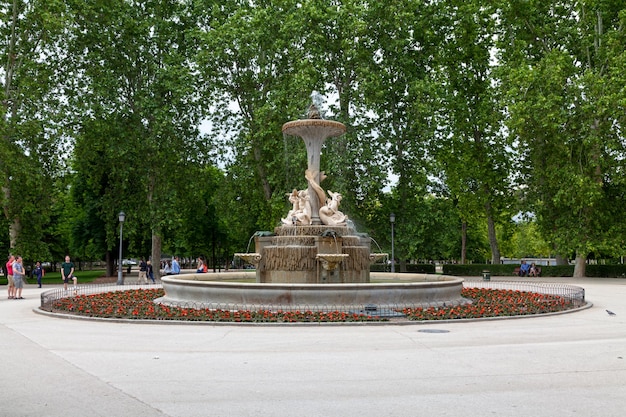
x,y
300,214
329,213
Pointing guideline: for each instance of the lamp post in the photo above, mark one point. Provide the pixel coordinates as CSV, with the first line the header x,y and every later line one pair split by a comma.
x,y
392,219
120,278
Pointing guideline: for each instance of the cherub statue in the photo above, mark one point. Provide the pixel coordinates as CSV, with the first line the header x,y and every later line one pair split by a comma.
x,y
300,214
330,214
314,112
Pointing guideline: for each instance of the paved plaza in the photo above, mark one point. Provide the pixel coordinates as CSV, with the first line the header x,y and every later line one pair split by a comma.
x,y
560,365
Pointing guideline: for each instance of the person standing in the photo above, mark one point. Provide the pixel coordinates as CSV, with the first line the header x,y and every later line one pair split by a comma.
x,y
18,278
175,266
10,282
143,269
150,271
38,272
67,272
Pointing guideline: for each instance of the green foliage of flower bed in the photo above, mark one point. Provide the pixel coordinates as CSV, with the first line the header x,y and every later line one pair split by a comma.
x,y
138,304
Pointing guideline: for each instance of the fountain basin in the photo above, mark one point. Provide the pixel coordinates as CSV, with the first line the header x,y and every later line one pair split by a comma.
x,y
319,129
218,290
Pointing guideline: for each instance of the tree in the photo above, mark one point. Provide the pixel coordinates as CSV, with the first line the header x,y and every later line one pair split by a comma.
x,y
472,149
339,43
253,73
397,86
134,92
567,59
30,118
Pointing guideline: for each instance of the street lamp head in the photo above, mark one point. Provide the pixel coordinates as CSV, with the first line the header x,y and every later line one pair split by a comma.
x,y
392,218
122,216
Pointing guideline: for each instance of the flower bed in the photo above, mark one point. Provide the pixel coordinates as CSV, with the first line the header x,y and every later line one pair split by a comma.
x,y
138,304
488,302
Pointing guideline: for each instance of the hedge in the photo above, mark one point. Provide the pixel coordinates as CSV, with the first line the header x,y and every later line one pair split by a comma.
x,y
410,268
596,271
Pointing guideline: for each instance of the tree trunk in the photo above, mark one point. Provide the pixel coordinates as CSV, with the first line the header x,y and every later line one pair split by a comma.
x,y
110,264
14,231
14,223
402,265
213,255
156,255
580,265
493,240
463,242
560,260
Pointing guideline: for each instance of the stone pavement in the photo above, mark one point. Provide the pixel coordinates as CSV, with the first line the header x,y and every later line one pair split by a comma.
x,y
563,365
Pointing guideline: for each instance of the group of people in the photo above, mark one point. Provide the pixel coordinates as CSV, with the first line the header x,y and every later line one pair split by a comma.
x,y
16,276
171,267
528,270
146,272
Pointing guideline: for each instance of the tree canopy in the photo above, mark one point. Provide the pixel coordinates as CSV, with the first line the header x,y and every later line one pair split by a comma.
x,y
489,130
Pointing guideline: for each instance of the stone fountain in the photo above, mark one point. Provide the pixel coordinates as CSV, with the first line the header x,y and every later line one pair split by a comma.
x,y
313,259
313,244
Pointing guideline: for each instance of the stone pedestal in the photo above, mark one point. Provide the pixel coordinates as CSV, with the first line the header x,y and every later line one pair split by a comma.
x,y
295,254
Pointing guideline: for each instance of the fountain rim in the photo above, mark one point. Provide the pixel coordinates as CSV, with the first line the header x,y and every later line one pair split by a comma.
x,y
403,280
204,289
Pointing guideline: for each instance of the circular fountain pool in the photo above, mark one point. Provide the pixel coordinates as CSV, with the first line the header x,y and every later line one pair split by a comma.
x,y
229,290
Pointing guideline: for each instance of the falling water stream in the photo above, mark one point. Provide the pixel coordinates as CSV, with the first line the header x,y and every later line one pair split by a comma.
x,y
377,245
249,241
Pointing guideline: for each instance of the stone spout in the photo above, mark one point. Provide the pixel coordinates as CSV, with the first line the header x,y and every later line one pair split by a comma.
x,y
375,257
330,261
251,258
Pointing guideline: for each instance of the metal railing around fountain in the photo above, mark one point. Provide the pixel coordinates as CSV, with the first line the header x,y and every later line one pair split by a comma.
x,y
572,294
49,297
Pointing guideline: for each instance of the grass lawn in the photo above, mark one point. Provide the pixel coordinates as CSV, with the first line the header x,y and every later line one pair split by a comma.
x,y
54,278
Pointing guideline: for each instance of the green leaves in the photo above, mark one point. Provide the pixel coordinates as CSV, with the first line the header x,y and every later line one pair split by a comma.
x,y
479,110
563,119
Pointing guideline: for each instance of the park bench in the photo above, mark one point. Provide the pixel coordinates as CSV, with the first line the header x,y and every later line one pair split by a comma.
x,y
517,271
